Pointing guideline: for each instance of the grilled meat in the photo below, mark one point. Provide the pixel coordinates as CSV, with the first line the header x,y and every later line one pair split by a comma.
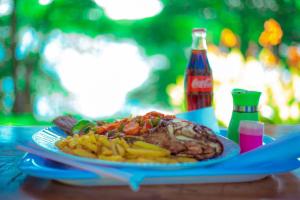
x,y
185,138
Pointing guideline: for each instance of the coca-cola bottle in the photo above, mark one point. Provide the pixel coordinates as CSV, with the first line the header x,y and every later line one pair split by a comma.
x,y
198,77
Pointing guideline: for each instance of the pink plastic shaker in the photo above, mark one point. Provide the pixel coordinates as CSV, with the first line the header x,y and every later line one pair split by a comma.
x,y
251,135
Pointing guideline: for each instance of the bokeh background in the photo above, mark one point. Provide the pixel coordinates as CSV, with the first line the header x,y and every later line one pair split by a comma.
x,y
110,58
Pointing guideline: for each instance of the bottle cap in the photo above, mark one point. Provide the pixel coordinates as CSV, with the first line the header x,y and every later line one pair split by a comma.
x,y
199,30
251,127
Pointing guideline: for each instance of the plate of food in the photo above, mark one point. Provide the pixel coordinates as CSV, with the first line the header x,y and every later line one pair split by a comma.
x,y
153,140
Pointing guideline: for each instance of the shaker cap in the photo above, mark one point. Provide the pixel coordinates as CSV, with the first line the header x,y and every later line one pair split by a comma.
x,y
251,127
243,97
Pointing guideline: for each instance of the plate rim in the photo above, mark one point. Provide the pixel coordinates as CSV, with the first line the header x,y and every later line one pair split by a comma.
x,y
59,134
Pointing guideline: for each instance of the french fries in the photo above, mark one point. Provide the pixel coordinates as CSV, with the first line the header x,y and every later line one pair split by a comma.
x,y
145,145
99,146
147,152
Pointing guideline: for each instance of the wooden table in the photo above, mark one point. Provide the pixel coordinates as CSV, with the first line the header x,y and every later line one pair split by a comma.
x,y
16,185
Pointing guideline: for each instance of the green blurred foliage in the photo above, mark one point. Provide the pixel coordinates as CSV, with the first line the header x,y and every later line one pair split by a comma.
x,y
168,33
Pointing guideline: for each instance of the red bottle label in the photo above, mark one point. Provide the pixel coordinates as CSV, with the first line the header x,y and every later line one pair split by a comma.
x,y
199,84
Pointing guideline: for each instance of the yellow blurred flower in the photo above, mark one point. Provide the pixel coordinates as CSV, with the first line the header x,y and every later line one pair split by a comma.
x,y
272,33
176,92
213,49
294,57
228,38
268,57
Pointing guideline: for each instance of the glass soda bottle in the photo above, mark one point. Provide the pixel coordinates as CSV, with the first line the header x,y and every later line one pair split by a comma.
x,y
198,76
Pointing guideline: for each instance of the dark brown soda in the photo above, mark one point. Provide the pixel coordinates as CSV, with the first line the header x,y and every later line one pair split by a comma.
x,y
198,78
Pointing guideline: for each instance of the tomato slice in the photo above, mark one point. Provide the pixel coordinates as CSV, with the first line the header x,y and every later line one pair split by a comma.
x,y
107,127
132,128
112,126
101,130
146,126
157,114
169,117
154,114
